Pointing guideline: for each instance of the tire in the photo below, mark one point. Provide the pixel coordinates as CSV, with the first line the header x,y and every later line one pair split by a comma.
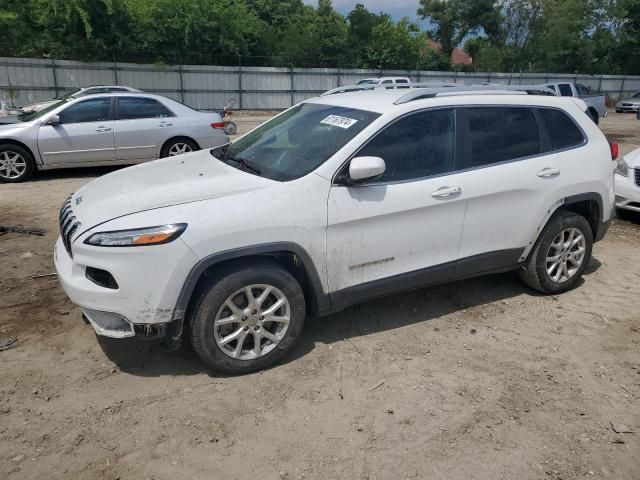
x,y
594,116
230,128
16,163
212,305
618,111
534,271
178,146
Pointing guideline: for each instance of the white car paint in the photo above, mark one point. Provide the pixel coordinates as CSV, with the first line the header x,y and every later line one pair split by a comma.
x,y
628,187
352,235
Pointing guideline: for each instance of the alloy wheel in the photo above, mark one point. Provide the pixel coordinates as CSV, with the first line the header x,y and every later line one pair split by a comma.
x,y
12,165
252,321
565,255
179,148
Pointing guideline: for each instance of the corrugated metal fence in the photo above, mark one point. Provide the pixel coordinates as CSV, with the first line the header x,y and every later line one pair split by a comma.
x,y
23,80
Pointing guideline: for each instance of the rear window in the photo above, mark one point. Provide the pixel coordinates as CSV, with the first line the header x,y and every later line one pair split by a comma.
x,y
565,90
499,134
563,131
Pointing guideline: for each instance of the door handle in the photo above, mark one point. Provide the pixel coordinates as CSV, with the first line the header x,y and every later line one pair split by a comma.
x,y
444,192
103,129
548,173
165,124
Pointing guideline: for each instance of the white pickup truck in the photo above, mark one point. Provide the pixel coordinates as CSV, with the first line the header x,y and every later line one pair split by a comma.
x,y
596,104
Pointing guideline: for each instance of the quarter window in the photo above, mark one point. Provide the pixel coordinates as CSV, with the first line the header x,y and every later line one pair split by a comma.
x,y
562,130
130,108
498,134
94,110
416,146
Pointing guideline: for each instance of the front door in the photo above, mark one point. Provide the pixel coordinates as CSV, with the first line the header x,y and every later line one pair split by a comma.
x,y
403,229
84,134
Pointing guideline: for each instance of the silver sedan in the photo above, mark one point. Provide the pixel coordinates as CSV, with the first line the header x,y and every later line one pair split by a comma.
x,y
631,104
109,129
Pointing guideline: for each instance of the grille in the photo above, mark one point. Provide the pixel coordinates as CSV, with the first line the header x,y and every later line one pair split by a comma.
x,y
69,225
637,170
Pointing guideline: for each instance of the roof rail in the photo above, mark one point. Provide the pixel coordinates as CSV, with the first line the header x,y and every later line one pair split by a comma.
x,y
420,92
386,86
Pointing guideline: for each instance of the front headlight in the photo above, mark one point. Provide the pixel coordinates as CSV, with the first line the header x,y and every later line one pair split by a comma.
x,y
622,168
137,237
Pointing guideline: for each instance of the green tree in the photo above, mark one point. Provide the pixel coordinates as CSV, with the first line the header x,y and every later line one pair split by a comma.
x,y
395,45
455,20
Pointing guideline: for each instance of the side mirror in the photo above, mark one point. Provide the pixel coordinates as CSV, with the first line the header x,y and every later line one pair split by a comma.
x,y
53,120
366,168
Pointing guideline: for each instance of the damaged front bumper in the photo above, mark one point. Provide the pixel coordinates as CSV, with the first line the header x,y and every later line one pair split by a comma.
x,y
141,303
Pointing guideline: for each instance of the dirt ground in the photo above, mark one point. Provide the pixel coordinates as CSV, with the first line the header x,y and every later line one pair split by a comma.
x,y
481,379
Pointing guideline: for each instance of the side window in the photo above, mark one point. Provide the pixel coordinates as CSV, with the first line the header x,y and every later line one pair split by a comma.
x,y
565,90
131,108
562,130
416,146
93,110
387,81
401,80
498,134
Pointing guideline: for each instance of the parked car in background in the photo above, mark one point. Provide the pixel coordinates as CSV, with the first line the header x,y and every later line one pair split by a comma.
x,y
387,82
631,104
76,93
627,182
104,129
340,199
596,104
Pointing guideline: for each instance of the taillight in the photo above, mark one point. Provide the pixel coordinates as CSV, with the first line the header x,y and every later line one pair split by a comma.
x,y
218,125
615,150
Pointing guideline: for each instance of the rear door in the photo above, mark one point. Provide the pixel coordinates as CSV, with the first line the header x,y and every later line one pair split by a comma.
x,y
142,125
403,229
507,180
84,134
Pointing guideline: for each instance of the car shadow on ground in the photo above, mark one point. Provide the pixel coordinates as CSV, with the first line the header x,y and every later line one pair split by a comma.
x,y
80,172
393,312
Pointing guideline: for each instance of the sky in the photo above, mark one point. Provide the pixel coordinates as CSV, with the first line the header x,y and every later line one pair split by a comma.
x,y
396,8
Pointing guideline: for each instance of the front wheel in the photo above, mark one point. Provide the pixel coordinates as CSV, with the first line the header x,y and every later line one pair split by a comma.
x,y
247,318
16,163
560,254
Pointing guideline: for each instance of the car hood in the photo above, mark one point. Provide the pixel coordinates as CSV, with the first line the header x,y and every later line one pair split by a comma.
x,y
9,120
37,106
635,101
632,159
161,183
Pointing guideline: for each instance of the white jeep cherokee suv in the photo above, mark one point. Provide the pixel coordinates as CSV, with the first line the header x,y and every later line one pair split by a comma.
x,y
340,199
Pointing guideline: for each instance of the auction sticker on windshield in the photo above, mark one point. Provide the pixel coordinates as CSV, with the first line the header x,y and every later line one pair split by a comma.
x,y
338,121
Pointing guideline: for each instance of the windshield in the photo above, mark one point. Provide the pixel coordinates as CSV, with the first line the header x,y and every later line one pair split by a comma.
x,y
367,82
298,141
68,94
637,95
32,116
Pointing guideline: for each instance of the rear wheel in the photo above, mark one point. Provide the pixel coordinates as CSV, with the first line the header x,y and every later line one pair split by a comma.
x,y
16,163
178,146
247,318
560,254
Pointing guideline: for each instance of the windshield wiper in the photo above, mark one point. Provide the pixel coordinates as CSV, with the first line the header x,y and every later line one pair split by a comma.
x,y
245,163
